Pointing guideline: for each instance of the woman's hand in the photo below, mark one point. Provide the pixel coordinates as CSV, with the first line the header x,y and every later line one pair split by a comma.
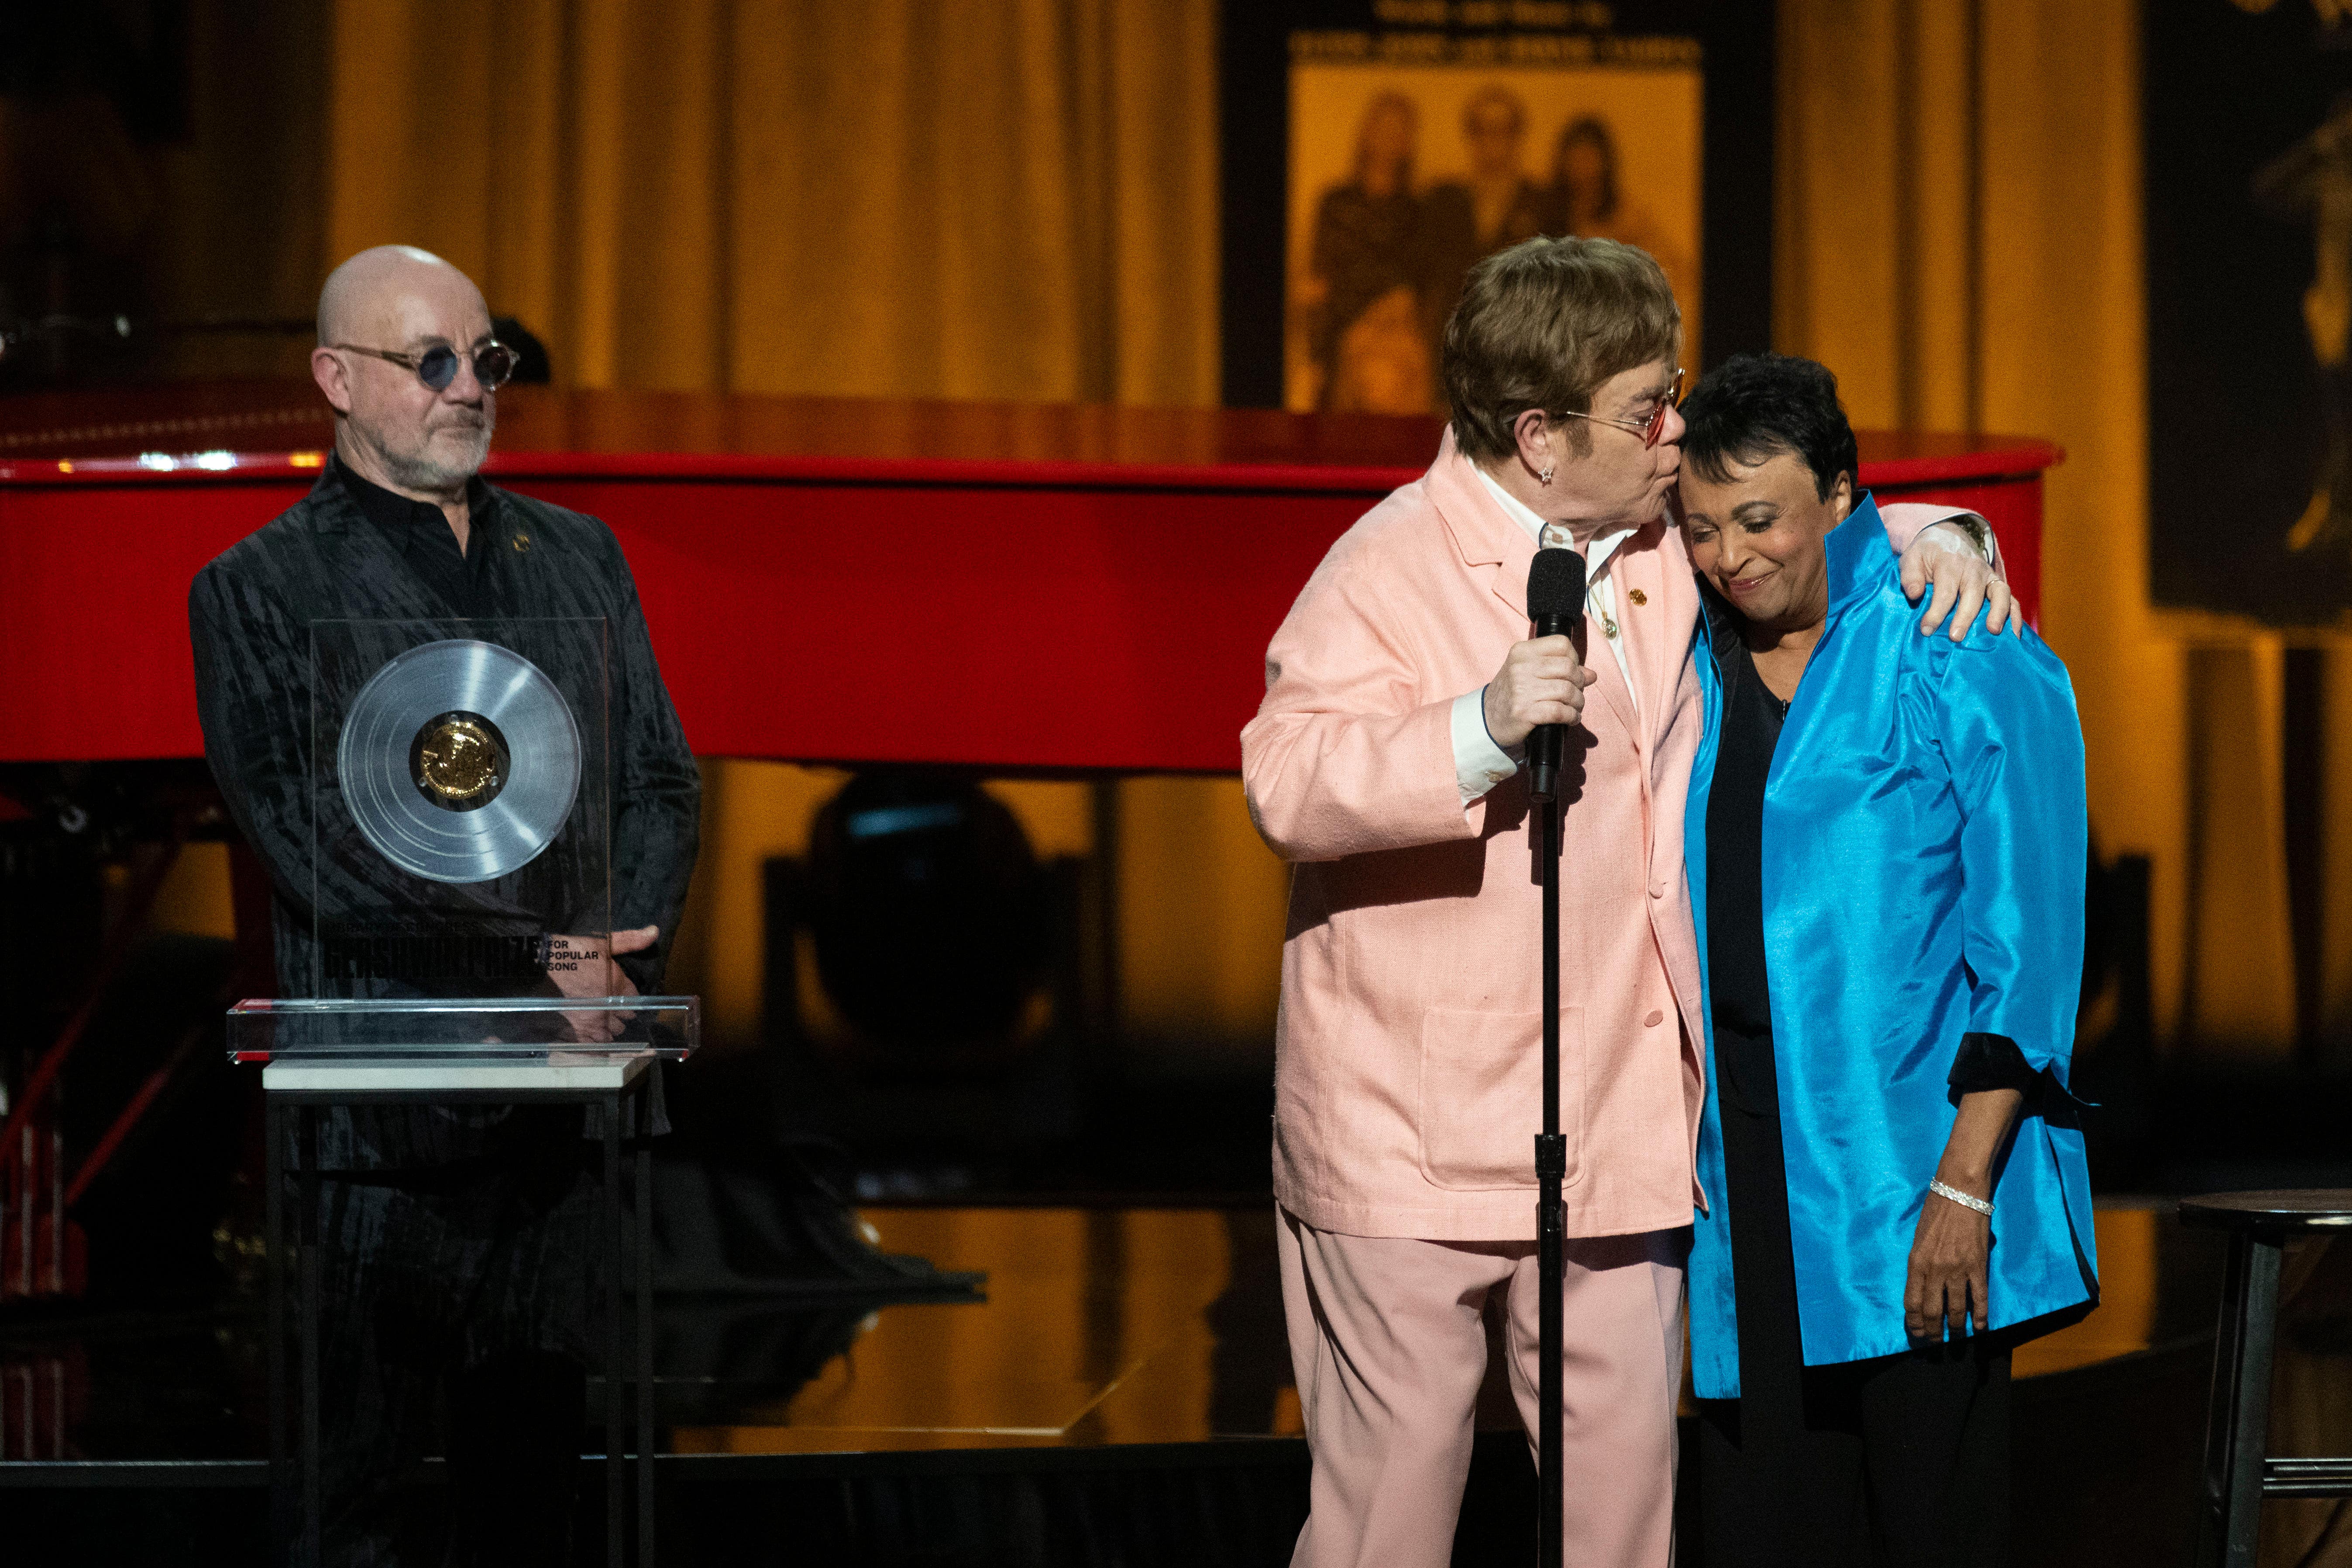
x,y
1950,1253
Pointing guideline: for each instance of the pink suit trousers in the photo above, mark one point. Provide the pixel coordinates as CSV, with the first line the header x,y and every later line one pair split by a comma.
x,y
1389,1344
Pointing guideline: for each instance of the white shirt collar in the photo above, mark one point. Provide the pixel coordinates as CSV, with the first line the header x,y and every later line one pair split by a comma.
x,y
1597,551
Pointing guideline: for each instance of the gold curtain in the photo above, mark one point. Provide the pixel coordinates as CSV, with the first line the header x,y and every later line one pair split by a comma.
x,y
1958,235
980,199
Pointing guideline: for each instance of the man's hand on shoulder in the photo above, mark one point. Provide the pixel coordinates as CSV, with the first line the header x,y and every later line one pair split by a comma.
x,y
1945,555
1541,682
583,966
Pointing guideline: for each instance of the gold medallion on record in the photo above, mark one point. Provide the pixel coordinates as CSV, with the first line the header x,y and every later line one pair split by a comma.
x,y
459,761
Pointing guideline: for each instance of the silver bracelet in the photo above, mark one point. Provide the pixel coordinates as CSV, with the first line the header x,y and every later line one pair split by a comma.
x,y
1962,1198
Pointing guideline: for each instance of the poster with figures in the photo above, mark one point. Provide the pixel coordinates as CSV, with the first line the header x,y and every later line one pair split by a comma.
x,y
1404,175
1374,150
2248,138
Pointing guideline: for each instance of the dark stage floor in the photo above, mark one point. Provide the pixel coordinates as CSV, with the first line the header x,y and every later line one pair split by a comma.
x,y
1129,1361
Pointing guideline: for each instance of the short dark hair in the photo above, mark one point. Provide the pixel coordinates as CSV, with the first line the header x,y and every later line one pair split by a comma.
x,y
1542,325
1752,407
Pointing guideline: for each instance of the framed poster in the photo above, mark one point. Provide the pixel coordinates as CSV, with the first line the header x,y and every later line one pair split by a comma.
x,y
2248,136
1376,149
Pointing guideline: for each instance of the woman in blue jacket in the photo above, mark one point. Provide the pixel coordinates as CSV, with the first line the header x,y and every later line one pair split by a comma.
x,y
1887,842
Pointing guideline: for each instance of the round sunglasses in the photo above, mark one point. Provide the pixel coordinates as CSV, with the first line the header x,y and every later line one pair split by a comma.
x,y
436,367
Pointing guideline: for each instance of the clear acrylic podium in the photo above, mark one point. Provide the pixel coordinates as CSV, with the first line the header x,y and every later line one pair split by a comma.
x,y
459,878
592,1052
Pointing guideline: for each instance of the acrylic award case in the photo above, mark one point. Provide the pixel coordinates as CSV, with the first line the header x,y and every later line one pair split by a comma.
x,y
460,797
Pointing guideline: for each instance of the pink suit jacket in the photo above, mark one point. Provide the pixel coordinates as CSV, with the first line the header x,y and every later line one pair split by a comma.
x,y
1408,1069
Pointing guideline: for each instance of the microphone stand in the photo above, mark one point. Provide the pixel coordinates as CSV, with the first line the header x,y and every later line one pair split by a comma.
x,y
1555,604
1551,1169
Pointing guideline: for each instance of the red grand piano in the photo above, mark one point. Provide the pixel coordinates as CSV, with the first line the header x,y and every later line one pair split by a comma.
x,y
1047,588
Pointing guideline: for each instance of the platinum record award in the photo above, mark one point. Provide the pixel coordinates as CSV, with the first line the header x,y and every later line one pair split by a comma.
x,y
460,761
460,802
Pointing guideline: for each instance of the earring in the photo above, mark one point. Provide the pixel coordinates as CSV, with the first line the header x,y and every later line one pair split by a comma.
x,y
1545,477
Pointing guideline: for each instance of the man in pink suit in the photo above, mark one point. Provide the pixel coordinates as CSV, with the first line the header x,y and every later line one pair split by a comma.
x,y
1383,764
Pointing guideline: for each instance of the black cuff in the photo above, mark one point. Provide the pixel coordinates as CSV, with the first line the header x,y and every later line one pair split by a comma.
x,y
1991,1061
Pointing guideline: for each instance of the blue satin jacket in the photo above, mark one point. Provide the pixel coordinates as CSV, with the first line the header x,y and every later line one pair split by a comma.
x,y
1925,841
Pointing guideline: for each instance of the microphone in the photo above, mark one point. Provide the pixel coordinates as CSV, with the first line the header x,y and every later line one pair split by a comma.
x,y
1555,605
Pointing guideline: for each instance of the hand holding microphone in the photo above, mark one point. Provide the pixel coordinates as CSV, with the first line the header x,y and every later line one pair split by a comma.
x,y
1541,684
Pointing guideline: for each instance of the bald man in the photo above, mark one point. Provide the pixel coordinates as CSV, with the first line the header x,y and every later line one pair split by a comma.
x,y
458,1259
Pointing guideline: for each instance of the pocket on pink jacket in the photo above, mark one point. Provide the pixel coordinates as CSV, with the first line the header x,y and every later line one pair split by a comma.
x,y
1482,1096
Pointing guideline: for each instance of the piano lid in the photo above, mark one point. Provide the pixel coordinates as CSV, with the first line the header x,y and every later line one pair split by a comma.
x,y
248,426
257,424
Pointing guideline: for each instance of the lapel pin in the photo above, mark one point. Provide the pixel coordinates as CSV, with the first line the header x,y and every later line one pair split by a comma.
x,y
1638,596
522,544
